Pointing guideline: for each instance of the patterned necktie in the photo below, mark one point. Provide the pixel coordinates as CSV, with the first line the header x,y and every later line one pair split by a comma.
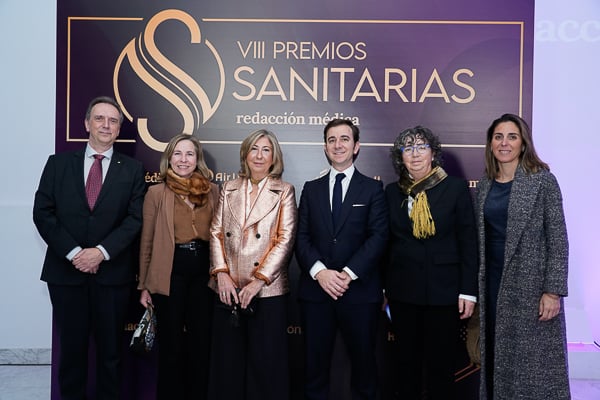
x,y
336,200
94,181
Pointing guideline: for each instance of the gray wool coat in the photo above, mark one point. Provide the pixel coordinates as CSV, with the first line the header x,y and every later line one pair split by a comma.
x,y
530,356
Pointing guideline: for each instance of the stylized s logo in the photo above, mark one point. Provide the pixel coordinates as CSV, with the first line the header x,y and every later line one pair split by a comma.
x,y
171,83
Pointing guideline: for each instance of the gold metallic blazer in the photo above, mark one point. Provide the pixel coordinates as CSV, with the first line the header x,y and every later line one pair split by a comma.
x,y
257,247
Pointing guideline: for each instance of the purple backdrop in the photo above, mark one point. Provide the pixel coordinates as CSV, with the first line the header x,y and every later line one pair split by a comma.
x,y
222,70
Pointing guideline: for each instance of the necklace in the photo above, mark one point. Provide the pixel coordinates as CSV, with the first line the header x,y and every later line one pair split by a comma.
x,y
255,181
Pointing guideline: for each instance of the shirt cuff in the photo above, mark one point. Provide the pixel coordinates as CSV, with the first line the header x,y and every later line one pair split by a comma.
x,y
103,251
349,272
468,297
316,268
73,253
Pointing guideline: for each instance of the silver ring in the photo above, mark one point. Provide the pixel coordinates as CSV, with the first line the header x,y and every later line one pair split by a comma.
x,y
222,293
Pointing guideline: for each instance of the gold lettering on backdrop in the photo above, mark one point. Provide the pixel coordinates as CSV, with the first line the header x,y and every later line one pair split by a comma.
x,y
366,77
289,118
391,337
152,178
294,330
313,90
271,77
352,82
395,87
435,77
463,85
225,176
257,47
177,79
315,83
254,78
130,326
313,51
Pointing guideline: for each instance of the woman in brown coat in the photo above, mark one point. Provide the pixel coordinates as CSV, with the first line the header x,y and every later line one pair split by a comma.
x,y
174,266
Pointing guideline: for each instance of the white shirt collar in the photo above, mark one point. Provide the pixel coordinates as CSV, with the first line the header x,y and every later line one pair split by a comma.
x,y
348,171
89,152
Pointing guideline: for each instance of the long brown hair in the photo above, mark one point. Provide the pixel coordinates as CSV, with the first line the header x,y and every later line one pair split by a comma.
x,y
528,158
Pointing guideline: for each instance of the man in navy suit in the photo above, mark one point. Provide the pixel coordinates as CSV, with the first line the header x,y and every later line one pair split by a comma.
x,y
90,260
339,286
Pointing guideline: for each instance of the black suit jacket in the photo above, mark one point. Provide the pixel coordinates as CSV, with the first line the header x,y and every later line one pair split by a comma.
x,y
64,220
432,271
358,242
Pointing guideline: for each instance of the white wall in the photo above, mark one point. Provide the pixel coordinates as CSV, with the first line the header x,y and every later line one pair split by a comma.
x,y
565,124
566,128
27,107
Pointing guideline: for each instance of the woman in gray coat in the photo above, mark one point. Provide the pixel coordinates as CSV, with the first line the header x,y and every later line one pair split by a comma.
x,y
523,270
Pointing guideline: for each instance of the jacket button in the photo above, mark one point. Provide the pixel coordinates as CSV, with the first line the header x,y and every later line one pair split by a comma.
x,y
228,234
256,264
258,235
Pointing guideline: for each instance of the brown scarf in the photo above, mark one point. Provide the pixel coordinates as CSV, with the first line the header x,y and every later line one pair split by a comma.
x,y
420,215
195,187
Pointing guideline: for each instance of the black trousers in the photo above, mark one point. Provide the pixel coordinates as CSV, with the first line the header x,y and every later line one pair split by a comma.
x,y
426,337
79,312
357,324
250,362
184,320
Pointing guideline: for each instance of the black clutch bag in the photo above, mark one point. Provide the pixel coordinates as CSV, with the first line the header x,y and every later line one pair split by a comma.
x,y
236,310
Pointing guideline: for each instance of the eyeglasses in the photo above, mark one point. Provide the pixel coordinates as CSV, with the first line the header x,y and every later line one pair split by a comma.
x,y
419,148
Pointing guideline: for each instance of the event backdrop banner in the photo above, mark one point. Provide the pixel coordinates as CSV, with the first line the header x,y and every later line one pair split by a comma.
x,y
220,70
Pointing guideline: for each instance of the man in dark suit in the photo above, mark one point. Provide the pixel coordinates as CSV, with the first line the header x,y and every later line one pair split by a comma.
x,y
341,237
90,259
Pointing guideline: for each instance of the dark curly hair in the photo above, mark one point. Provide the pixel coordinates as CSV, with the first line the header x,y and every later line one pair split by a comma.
x,y
407,138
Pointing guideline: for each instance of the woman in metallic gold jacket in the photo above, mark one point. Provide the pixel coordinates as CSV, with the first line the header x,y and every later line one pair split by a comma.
x,y
252,238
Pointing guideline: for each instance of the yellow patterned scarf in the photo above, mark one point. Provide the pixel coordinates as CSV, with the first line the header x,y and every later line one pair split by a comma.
x,y
420,215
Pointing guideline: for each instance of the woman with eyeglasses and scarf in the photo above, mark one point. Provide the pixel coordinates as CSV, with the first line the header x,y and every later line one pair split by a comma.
x,y
430,276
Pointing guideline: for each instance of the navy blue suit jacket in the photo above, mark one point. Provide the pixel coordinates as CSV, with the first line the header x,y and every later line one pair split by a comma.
x,y
358,242
64,220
